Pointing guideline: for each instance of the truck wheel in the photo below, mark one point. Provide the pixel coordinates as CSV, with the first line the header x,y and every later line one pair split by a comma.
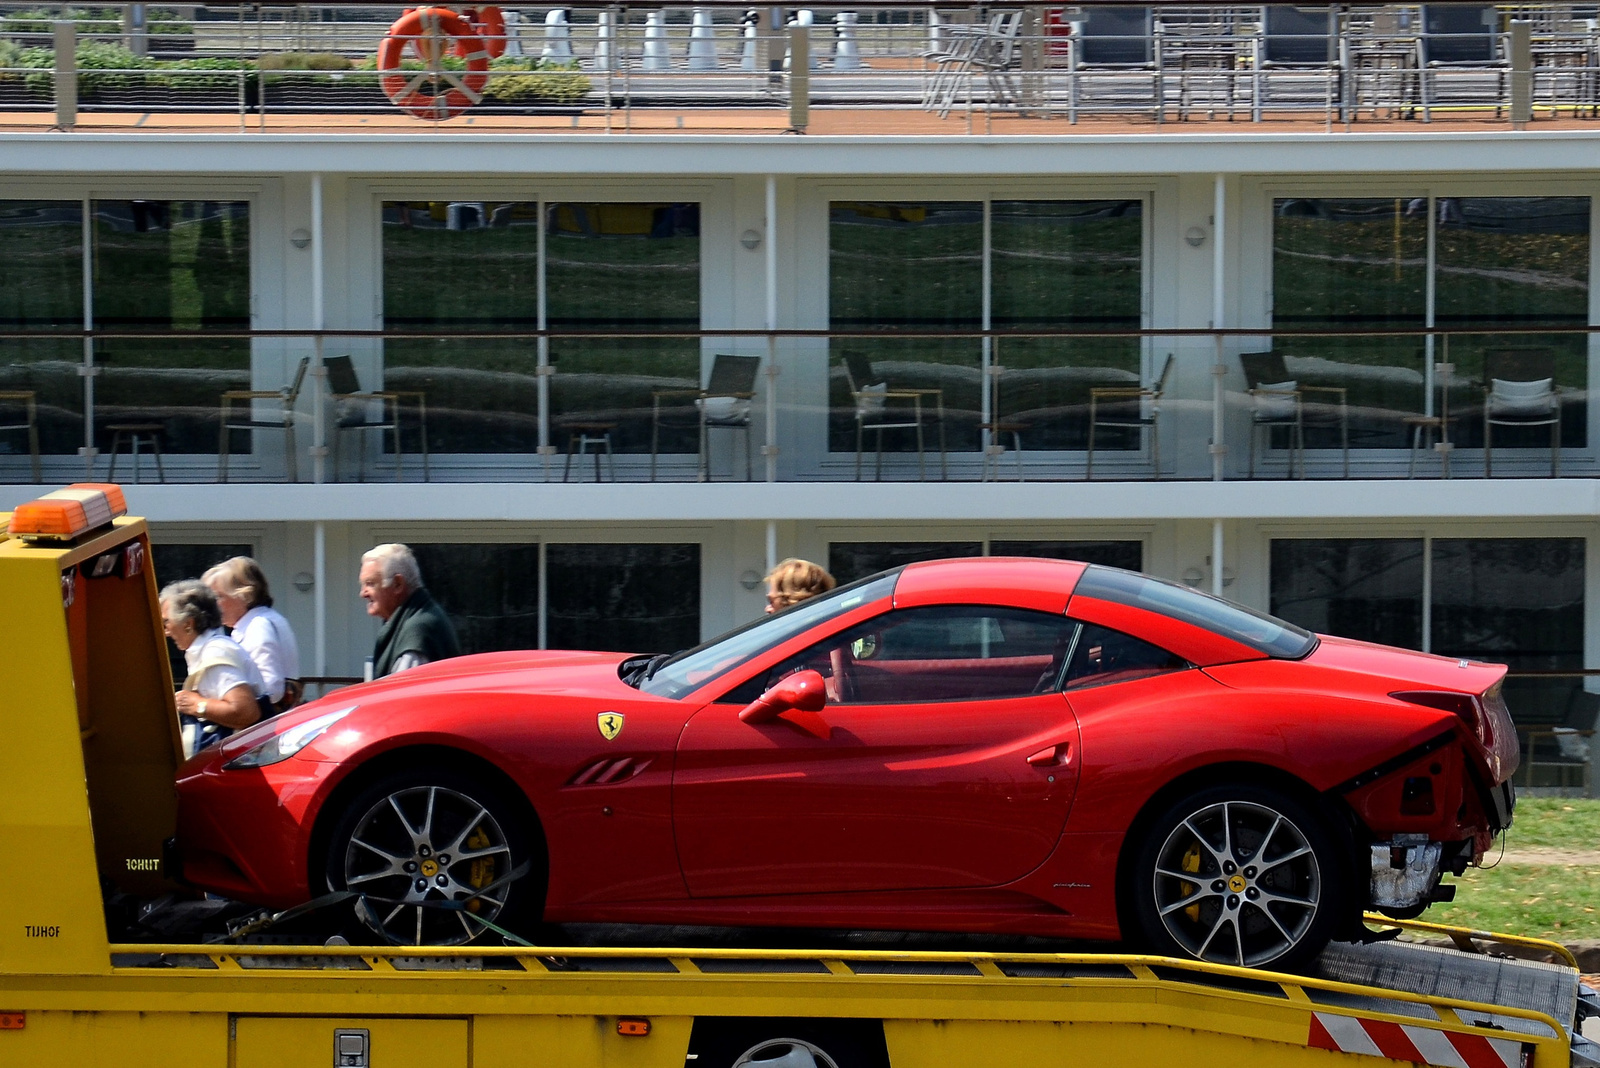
x,y
788,1043
430,850
1242,875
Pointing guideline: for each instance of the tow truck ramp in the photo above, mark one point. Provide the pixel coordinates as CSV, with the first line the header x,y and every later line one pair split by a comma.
x,y
87,801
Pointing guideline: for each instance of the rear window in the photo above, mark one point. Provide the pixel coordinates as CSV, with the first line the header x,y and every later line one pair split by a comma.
x,y
1261,632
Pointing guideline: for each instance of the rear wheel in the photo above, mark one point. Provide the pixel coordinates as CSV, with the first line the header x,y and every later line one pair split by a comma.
x,y
1242,875
432,851
788,1043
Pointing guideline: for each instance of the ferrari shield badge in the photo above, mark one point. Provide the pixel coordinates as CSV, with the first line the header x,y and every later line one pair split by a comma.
x,y
610,725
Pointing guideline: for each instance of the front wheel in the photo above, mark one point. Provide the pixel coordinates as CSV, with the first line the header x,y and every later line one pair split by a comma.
x,y
1242,875
433,853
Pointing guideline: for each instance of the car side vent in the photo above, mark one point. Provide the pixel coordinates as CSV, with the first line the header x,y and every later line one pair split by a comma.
x,y
608,770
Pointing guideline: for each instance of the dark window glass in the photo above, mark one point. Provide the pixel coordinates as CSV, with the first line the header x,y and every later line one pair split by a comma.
x,y
1102,656
1515,261
851,560
941,653
1128,555
461,266
41,288
1257,630
705,663
1060,264
892,266
628,598
491,592
1364,588
176,265
626,267
1347,263
175,562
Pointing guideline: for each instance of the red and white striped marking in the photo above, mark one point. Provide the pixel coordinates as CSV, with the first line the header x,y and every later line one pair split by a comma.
x,y
1405,1042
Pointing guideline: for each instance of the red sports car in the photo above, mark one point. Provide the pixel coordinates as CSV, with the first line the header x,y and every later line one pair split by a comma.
x,y
979,745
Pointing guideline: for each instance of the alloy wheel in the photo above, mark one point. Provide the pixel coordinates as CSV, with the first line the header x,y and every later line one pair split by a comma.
x,y
1237,882
785,1053
424,855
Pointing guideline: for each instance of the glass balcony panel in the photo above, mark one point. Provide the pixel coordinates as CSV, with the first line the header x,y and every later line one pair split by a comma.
x,y
41,288
1515,262
179,265
1351,264
908,267
1063,265
624,268
463,266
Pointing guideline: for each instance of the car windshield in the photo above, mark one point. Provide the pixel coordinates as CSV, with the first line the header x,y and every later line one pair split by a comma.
x,y
695,667
1261,632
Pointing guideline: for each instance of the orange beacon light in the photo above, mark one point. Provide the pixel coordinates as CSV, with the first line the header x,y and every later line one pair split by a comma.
x,y
67,513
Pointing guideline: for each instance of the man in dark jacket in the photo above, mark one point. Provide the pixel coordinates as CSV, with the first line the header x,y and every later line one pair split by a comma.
x,y
416,630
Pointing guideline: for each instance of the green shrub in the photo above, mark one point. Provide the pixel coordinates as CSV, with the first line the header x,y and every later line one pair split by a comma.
x,y
159,22
322,61
542,83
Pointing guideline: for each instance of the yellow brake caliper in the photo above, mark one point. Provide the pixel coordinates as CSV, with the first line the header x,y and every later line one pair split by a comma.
x,y
480,872
1191,862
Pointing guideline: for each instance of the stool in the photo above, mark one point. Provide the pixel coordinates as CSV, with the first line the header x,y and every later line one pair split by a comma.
x,y
150,433
992,454
1429,428
582,435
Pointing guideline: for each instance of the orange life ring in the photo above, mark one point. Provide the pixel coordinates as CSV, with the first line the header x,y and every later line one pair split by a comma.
x,y
431,32
490,24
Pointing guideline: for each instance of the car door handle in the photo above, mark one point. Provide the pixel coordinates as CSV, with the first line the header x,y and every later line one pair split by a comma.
x,y
1053,757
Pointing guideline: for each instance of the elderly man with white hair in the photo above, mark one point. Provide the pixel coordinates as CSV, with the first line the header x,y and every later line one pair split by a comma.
x,y
416,630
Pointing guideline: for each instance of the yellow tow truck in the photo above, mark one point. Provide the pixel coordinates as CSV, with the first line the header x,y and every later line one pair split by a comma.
x,y
87,804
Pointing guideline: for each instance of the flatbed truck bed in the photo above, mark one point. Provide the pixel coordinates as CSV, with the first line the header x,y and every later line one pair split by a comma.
x,y
86,803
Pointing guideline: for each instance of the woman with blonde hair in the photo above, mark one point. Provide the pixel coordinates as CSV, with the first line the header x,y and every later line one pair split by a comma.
x,y
793,581
246,605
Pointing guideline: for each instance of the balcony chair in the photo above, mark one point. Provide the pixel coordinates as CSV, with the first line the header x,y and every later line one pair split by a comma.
x,y
871,396
1458,37
30,421
1519,390
1278,400
284,421
353,411
724,404
1143,410
1302,39
1112,38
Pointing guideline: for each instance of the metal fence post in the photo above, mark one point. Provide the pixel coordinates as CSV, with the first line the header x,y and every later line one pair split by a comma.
x,y
799,77
66,43
1521,73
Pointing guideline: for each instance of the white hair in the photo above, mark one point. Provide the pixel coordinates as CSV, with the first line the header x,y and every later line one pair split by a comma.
x,y
395,559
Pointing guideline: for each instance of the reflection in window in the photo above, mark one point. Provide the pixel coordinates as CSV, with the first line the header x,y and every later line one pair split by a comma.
x,y
1128,555
850,560
41,288
1364,588
1344,264
463,266
1515,261
1103,656
624,267
941,653
623,597
1059,264
916,266
176,265
490,591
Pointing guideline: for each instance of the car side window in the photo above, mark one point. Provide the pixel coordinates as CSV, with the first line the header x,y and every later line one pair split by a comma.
x,y
939,653
1105,656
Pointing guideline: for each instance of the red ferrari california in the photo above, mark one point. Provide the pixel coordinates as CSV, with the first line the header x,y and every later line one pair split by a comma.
x,y
980,745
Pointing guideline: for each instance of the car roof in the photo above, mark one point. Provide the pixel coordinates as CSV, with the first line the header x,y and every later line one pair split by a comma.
x,y
1020,581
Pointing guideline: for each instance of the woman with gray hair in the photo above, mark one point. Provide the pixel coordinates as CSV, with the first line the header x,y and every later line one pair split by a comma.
x,y
222,693
246,605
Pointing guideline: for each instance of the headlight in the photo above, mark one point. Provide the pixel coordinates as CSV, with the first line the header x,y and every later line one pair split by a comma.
x,y
286,744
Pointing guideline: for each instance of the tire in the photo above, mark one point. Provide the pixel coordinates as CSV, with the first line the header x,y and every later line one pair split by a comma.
x,y
1240,874
788,1043
420,844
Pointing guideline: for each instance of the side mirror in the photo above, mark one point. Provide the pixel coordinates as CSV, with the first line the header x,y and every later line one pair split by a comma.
x,y
804,690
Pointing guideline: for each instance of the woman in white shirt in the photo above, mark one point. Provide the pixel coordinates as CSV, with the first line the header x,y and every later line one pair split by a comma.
x,y
246,605
222,693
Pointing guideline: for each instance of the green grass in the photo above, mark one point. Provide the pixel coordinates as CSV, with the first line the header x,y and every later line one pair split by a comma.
x,y
1559,901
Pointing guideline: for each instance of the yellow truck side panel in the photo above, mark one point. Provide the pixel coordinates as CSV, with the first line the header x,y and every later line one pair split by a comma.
x,y
307,1042
1014,1044
109,1039
561,1041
